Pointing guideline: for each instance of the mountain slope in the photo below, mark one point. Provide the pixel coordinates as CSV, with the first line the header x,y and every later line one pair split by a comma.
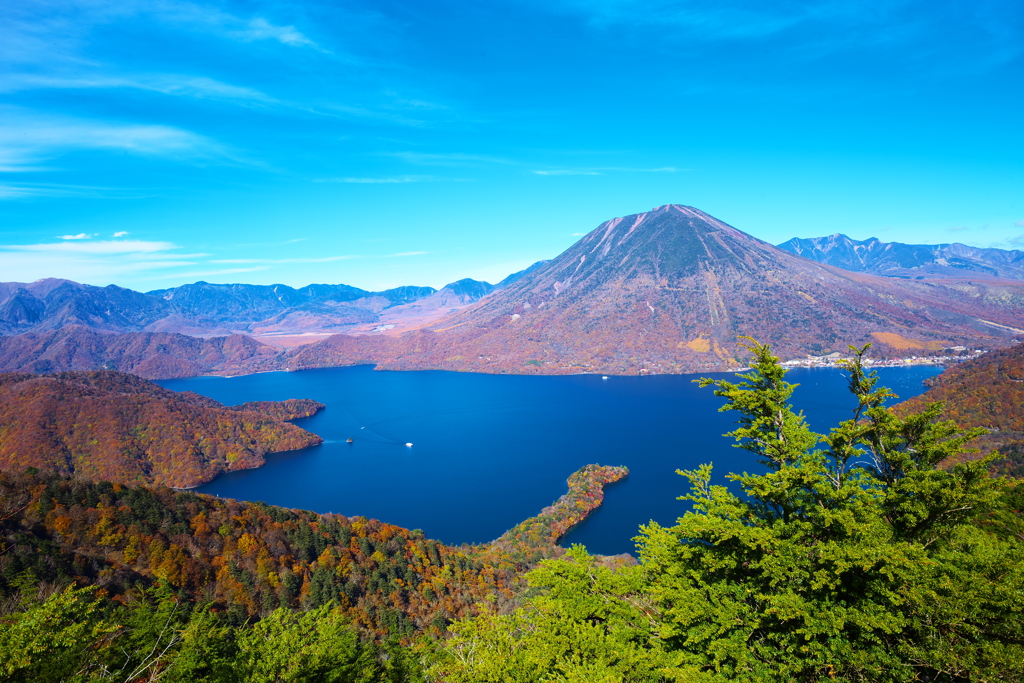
x,y
153,355
247,558
53,303
117,427
896,259
668,290
988,392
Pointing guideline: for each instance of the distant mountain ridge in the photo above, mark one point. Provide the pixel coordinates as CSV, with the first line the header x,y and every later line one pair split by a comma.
x,y
895,259
205,309
52,303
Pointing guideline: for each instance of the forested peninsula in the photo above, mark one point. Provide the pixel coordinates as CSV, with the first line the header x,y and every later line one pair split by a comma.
x,y
113,426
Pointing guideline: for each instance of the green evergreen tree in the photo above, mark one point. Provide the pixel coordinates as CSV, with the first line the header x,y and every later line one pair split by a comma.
x,y
318,646
590,625
853,557
847,559
53,639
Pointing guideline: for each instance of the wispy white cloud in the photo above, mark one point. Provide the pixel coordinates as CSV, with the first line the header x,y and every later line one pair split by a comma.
x,y
397,99
79,236
99,247
28,138
313,259
730,19
209,273
244,29
602,170
205,17
259,28
566,172
86,260
1020,224
446,159
320,259
390,180
57,33
199,87
814,29
14,191
471,160
725,19
21,267
103,261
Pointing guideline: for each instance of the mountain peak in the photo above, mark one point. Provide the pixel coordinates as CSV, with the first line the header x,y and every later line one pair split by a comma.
x,y
670,289
667,210
668,241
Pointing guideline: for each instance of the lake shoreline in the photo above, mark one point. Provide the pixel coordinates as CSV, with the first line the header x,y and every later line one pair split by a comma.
x,y
493,450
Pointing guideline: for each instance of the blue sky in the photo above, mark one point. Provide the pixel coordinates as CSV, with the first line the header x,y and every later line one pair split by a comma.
x,y
153,143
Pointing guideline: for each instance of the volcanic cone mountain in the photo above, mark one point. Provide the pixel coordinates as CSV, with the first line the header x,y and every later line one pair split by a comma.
x,y
670,290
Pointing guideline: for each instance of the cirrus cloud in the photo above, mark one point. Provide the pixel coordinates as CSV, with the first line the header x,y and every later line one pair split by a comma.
x,y
28,138
101,247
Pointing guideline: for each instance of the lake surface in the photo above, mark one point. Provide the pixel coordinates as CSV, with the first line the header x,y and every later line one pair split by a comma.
x,y
491,450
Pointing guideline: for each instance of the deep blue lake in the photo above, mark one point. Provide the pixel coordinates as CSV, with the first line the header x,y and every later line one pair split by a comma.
x,y
491,450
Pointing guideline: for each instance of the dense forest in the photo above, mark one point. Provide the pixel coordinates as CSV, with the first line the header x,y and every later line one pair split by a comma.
x,y
112,426
875,552
226,564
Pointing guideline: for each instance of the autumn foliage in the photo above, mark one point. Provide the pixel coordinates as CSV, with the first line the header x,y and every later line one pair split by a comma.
x,y
251,558
106,425
529,538
985,392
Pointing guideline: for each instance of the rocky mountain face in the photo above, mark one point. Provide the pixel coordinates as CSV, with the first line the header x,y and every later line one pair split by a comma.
x,y
909,261
52,303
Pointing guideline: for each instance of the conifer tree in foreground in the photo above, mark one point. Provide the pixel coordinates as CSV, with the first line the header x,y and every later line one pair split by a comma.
x,y
854,557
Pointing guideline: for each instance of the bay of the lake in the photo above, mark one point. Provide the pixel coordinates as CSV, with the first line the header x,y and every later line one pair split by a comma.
x,y
491,450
